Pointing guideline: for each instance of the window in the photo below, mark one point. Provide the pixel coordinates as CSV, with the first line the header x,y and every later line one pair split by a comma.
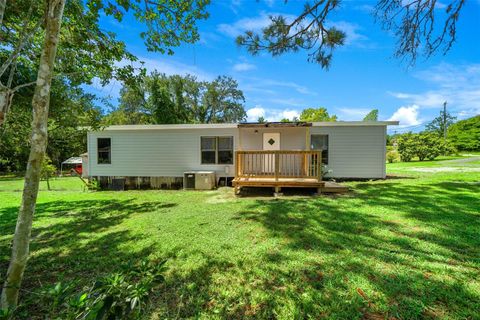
x,y
209,150
217,150
320,142
225,150
104,147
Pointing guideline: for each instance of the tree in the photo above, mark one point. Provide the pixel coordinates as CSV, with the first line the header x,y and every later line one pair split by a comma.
x,y
158,98
424,145
308,31
222,101
48,170
38,142
465,134
418,25
261,119
371,116
70,111
168,24
316,115
87,52
438,124
406,146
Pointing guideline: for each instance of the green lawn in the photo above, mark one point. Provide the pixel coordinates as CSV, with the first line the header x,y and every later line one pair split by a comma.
x,y
405,248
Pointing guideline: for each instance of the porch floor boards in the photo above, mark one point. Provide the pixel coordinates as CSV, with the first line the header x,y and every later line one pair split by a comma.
x,y
256,181
323,186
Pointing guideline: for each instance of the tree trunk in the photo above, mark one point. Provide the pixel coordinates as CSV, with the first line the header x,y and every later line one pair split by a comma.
x,y
3,102
6,96
3,4
38,140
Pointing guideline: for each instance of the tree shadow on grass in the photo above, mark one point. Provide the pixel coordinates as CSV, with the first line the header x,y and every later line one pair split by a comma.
x,y
415,252
76,241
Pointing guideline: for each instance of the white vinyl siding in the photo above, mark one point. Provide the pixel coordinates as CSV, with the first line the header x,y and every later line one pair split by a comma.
x,y
355,151
155,153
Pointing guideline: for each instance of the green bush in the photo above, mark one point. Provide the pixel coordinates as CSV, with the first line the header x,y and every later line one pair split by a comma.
x,y
406,147
425,145
392,156
48,170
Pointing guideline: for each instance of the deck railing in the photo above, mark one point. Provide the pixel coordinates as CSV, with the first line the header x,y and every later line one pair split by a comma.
x,y
278,164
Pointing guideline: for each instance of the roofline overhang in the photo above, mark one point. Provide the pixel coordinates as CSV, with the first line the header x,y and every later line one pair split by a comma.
x,y
275,124
247,125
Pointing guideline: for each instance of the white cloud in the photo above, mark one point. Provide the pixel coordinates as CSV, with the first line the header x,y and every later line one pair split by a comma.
x,y
254,113
428,99
255,24
244,66
271,115
242,25
407,115
290,114
353,36
458,85
286,84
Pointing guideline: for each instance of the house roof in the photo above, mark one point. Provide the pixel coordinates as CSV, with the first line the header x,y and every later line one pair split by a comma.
x,y
355,123
172,126
251,125
274,124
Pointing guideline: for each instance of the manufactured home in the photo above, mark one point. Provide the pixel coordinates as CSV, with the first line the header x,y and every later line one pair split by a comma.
x,y
249,154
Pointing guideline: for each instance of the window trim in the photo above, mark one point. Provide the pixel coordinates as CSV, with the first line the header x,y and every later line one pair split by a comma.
x,y
110,154
328,146
216,150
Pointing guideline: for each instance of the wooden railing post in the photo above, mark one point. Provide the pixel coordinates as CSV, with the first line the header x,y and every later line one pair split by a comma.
x,y
277,164
236,164
319,165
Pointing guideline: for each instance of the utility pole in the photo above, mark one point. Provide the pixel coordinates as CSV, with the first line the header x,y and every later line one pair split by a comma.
x,y
445,121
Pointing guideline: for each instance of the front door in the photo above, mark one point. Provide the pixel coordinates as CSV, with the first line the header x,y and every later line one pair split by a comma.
x,y
271,141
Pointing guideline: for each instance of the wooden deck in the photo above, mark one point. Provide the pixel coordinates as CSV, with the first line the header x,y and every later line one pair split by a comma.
x,y
282,182
321,186
281,169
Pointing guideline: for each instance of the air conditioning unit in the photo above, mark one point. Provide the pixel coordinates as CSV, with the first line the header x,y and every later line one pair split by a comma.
x,y
199,180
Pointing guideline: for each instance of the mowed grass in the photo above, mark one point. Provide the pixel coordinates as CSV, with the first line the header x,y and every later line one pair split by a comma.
x,y
404,248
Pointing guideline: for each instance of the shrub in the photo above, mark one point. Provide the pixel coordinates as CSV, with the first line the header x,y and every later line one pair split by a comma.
x,y
406,147
48,170
425,145
121,295
392,156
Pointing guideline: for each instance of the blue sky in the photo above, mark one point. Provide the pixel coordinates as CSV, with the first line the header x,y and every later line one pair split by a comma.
x,y
363,75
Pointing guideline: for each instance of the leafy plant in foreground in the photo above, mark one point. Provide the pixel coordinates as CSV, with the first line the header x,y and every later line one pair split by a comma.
x,y
121,295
